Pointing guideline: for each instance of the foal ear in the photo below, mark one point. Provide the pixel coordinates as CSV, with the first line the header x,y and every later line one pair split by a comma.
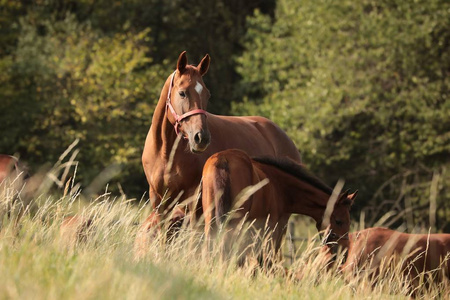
x,y
182,62
353,196
348,199
343,198
344,195
203,66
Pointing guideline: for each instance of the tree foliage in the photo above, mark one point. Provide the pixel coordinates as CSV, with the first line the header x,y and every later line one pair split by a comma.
x,y
362,87
70,82
93,70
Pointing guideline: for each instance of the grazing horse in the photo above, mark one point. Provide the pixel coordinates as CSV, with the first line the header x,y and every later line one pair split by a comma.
x,y
290,190
374,248
183,136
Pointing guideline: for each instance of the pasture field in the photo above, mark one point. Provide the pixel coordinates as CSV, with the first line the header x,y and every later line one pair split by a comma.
x,y
38,260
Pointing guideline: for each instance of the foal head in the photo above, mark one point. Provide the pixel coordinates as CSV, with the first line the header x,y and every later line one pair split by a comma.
x,y
187,101
338,225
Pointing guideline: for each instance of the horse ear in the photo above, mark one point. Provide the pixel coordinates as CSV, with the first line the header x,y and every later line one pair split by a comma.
x,y
343,198
344,195
203,66
353,196
182,62
348,199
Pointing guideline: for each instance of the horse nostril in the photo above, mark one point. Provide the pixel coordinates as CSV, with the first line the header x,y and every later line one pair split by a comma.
x,y
202,138
198,138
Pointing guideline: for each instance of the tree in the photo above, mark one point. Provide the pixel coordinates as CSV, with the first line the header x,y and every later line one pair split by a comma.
x,y
362,88
70,82
93,69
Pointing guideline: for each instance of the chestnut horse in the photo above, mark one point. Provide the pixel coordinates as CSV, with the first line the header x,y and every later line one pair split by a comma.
x,y
9,167
183,136
12,178
418,253
290,190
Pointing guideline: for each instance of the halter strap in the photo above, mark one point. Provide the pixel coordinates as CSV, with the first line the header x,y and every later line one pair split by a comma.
x,y
177,117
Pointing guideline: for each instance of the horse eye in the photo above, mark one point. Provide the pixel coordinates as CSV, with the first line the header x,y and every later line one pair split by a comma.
x,y
182,94
339,223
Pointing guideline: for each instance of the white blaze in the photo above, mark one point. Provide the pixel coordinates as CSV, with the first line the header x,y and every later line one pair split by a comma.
x,y
199,88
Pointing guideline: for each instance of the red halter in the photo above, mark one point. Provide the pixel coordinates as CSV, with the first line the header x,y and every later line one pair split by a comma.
x,y
178,118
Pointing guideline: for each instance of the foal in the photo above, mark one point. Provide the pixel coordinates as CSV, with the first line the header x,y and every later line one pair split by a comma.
x,y
290,190
375,248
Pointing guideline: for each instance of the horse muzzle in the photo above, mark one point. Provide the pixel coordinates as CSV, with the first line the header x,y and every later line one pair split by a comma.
x,y
200,141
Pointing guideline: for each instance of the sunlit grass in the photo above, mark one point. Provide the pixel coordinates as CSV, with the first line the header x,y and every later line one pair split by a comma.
x,y
41,260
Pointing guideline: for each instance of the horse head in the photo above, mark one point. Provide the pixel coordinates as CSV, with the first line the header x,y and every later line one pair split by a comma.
x,y
338,226
187,101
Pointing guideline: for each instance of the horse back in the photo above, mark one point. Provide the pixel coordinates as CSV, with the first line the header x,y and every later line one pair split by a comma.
x,y
426,251
255,135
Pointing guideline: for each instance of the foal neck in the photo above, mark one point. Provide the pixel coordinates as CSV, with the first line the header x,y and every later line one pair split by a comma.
x,y
304,198
301,192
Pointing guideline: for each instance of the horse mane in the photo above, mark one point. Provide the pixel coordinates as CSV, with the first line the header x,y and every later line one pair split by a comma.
x,y
291,167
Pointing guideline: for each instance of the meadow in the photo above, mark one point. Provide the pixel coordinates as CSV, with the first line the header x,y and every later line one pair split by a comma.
x,y
361,88
39,260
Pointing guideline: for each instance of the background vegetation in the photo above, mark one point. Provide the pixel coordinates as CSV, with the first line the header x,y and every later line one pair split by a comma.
x,y
362,87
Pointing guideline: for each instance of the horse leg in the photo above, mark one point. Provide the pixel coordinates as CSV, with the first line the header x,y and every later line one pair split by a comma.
x,y
175,222
145,234
208,201
270,255
148,229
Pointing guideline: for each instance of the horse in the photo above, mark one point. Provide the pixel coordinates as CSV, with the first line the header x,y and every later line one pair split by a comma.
x,y
289,189
183,135
13,176
9,167
375,249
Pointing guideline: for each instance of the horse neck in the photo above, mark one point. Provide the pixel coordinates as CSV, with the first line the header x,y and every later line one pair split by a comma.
x,y
163,131
304,198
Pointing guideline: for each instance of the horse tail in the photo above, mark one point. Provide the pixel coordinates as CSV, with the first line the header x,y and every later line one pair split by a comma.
x,y
222,187
216,192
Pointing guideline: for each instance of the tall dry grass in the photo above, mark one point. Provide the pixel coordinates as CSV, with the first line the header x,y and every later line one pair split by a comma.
x,y
40,260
